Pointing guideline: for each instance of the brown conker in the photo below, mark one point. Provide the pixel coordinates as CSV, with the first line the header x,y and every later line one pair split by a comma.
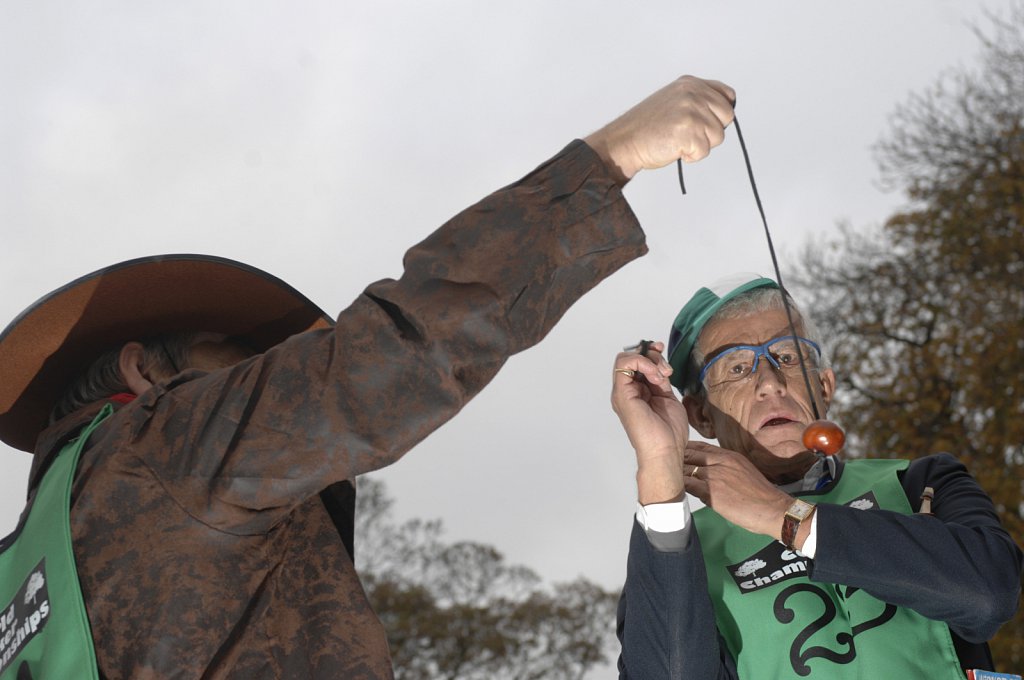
x,y
824,436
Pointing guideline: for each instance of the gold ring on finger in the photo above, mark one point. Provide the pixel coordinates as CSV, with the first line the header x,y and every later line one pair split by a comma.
x,y
628,372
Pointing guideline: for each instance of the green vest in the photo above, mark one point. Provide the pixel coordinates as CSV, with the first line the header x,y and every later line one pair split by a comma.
x,y
44,630
778,624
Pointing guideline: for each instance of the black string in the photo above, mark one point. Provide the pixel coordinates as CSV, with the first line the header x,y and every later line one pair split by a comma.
x,y
775,261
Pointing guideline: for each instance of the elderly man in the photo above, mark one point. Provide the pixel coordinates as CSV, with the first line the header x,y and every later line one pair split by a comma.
x,y
798,565
224,419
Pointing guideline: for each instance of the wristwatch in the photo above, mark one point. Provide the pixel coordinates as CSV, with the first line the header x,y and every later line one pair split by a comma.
x,y
797,513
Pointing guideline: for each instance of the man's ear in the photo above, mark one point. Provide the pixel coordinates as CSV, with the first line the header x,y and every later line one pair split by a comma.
x,y
827,378
698,415
131,362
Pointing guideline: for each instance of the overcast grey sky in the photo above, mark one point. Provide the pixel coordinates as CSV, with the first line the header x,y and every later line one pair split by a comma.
x,y
319,139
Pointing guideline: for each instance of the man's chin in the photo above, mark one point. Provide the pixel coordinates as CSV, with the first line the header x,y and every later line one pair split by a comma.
x,y
782,444
784,462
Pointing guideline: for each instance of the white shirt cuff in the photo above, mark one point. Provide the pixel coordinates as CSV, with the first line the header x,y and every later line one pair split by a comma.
x,y
811,544
664,517
669,517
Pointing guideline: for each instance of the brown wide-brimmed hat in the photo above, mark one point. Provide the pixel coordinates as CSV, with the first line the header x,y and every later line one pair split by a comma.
x,y
56,339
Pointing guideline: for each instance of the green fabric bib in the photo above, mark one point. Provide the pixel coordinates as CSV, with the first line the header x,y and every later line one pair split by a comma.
x,y
44,630
779,624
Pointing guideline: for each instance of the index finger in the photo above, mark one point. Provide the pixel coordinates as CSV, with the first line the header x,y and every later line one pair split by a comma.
x,y
701,453
643,370
724,89
723,110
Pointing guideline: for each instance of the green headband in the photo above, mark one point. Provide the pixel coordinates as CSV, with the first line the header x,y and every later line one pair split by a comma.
x,y
694,316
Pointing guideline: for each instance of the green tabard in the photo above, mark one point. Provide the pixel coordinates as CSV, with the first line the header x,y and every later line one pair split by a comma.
x,y
44,630
777,623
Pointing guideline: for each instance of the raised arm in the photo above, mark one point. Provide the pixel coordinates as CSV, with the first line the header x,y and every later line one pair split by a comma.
x,y
408,354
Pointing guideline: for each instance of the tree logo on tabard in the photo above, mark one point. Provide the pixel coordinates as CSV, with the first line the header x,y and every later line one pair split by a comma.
x,y
35,584
865,501
750,567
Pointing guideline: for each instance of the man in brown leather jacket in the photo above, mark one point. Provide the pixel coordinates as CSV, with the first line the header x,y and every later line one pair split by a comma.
x,y
211,514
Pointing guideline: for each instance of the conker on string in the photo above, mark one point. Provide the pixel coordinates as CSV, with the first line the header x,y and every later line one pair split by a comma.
x,y
825,437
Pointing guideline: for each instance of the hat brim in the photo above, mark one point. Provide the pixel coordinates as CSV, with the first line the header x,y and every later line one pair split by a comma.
x,y
54,340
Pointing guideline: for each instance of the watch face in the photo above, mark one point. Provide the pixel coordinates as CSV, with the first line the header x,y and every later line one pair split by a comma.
x,y
800,510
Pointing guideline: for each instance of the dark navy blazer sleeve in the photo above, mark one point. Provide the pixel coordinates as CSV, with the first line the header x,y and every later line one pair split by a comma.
x,y
959,565
666,623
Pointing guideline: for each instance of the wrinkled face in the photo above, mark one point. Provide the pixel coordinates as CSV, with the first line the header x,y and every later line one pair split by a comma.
x,y
764,415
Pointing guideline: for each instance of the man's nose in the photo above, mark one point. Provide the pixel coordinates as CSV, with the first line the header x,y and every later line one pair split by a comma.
x,y
769,378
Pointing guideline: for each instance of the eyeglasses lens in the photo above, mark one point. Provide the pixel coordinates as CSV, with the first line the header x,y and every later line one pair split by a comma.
x,y
737,363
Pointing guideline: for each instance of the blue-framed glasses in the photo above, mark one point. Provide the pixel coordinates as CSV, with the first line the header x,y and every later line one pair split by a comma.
x,y
740,362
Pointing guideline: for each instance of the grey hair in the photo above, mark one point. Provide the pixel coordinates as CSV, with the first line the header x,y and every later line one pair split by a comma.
x,y
745,304
168,353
